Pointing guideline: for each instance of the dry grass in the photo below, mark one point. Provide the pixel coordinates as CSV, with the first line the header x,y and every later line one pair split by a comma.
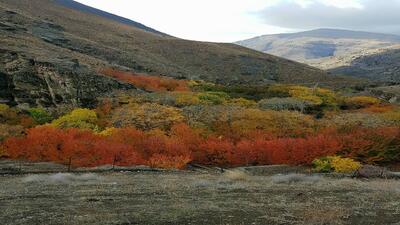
x,y
236,175
328,215
179,197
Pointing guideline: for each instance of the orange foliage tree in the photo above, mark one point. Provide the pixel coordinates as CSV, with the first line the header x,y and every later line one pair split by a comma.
x,y
147,82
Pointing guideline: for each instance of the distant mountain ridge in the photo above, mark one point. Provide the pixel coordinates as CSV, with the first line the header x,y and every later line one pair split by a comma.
x,y
317,47
87,9
339,33
338,51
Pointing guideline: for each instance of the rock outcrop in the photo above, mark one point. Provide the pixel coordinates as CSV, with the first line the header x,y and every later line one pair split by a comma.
x,y
27,81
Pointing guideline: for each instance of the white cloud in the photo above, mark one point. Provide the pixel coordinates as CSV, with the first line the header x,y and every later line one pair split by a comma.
x,y
232,20
206,20
368,15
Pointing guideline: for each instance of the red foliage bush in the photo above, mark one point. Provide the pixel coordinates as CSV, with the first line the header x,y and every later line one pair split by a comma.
x,y
183,145
83,148
377,145
147,82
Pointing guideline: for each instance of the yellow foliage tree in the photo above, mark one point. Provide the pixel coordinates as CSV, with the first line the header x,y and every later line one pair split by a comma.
x,y
336,164
282,123
186,98
344,165
79,118
146,116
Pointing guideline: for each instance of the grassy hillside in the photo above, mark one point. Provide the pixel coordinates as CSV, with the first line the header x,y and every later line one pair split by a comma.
x,y
87,9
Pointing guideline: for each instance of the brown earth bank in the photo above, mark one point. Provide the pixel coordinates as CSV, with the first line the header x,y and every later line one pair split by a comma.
x,y
259,195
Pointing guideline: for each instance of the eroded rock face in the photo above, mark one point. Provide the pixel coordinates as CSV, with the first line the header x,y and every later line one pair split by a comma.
x,y
26,81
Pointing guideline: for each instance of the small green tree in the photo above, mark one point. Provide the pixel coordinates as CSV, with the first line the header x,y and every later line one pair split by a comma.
x,y
40,116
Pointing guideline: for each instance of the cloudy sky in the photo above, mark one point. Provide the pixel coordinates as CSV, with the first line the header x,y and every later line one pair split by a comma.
x,y
233,20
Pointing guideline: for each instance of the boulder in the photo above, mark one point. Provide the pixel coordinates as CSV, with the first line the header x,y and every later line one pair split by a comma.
x,y
370,171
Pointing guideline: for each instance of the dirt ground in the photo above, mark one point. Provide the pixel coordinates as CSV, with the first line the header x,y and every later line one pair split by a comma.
x,y
196,197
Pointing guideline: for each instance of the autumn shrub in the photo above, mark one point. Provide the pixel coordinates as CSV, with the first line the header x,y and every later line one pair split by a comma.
x,y
169,162
83,147
186,99
359,102
2,152
146,116
357,119
336,164
372,146
280,104
242,102
345,165
168,99
147,82
3,109
393,116
213,98
7,131
209,117
78,118
213,151
40,116
322,165
381,108
284,123
9,115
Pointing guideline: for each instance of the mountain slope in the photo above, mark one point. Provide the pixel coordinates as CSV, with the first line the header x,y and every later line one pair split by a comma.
x,y
51,55
382,65
87,9
322,48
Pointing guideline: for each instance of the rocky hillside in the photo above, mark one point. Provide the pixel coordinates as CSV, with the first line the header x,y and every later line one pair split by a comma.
x,y
51,54
382,65
323,48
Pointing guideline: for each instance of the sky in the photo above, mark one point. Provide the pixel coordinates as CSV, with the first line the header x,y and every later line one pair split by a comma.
x,y
234,20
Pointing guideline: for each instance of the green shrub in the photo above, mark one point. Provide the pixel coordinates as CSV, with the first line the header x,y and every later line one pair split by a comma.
x,y
322,165
213,98
40,116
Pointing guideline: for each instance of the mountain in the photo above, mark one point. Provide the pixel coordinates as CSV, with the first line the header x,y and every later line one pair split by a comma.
x,y
51,54
323,48
87,9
